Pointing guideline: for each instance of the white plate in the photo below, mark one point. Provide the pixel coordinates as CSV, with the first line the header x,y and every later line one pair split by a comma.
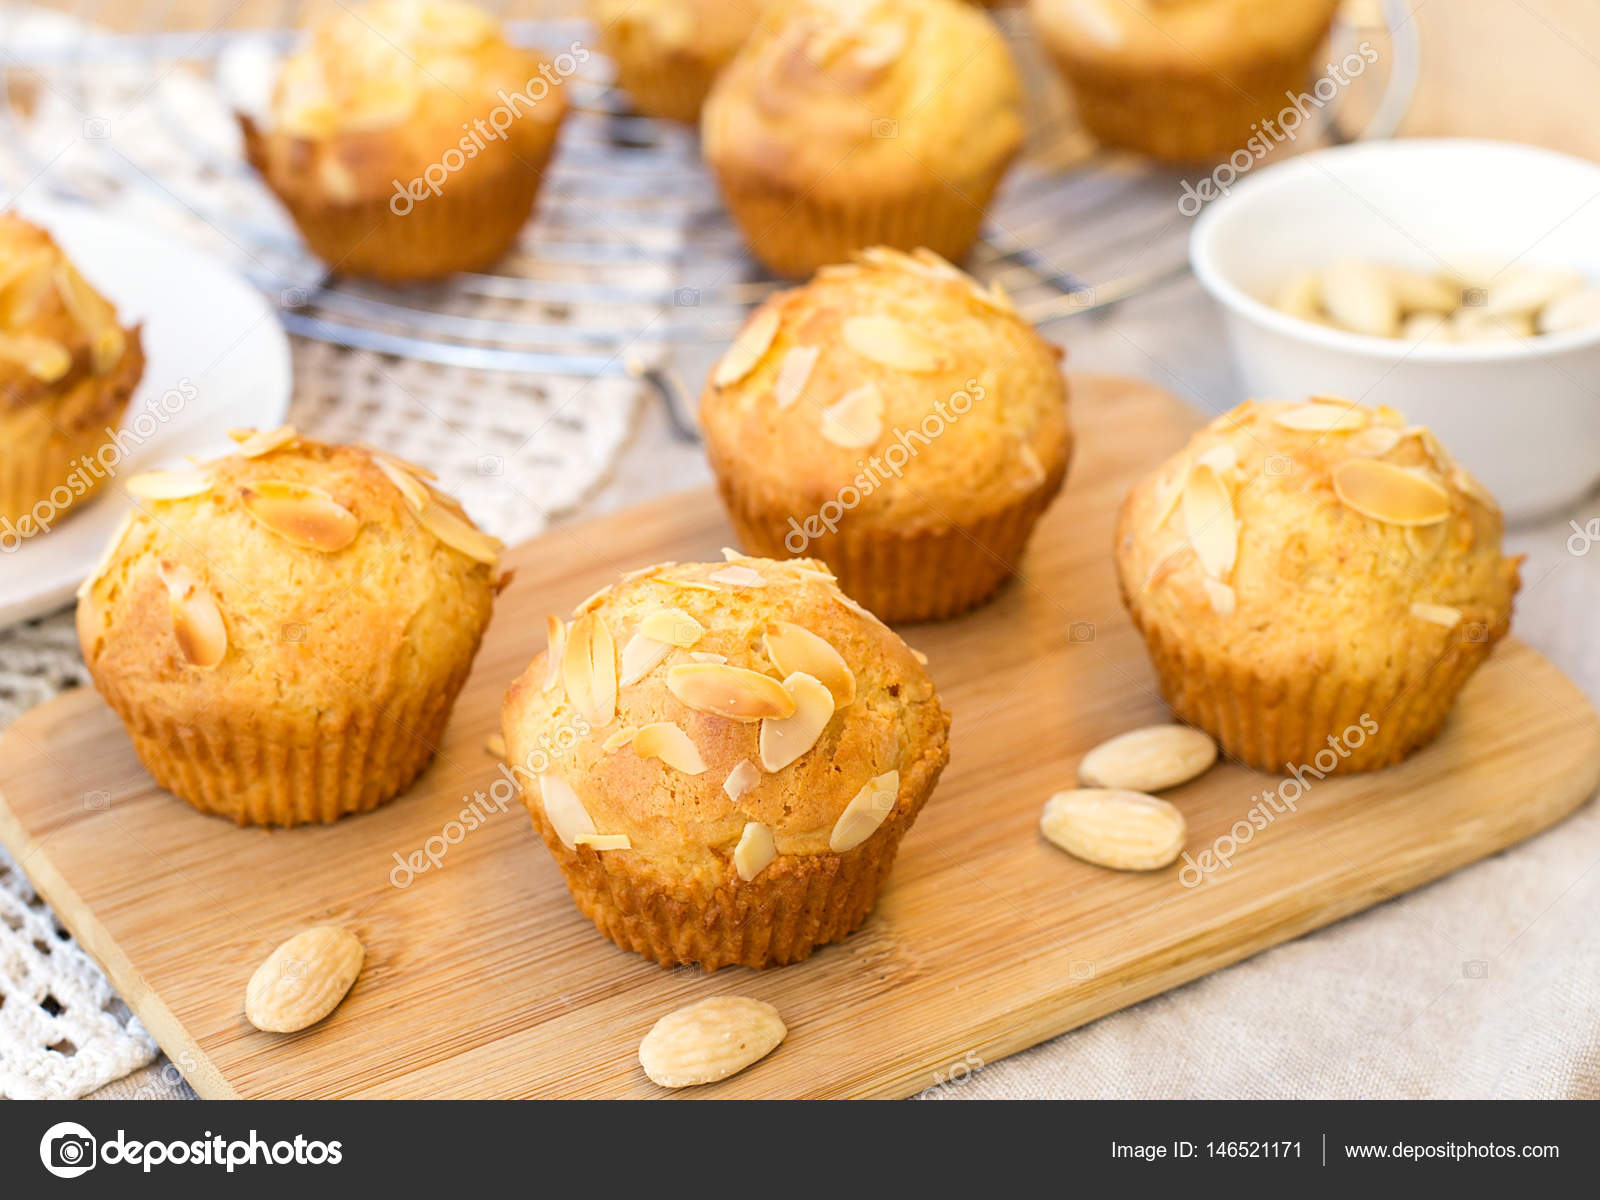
x,y
207,334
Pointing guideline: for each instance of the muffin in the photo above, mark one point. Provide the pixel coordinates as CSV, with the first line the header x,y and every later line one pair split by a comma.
x,y
668,52
842,124
408,138
897,421
1315,583
67,370
284,631
1183,80
722,759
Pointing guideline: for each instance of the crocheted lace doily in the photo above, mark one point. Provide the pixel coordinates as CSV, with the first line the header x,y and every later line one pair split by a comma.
x,y
517,450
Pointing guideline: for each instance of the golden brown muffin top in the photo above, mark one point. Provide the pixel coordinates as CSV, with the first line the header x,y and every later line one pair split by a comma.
x,y
289,573
688,703
827,94
384,91
55,330
1183,35
704,32
899,377
1288,530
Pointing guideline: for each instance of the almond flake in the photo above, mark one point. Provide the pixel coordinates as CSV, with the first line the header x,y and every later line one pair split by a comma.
x,y
306,516
792,648
705,656
1356,295
755,851
694,585
642,572
1467,484
593,599
417,470
664,740
1221,458
784,739
565,812
737,576
555,648
794,373
1110,827
748,348
109,553
411,488
1149,760
1391,494
731,692
919,656
169,485
1222,598
741,779
1372,442
855,420
619,739
603,841
92,314
1419,293
640,656
893,344
255,443
196,619
1208,519
672,626
1321,418
1425,541
1439,614
46,360
862,816
589,669
1031,464
460,534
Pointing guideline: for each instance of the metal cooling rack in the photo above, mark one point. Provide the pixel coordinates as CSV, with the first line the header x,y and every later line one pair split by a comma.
x,y
630,266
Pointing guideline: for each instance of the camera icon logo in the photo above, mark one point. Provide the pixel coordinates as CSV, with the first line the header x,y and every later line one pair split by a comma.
x,y
1278,464
491,464
96,801
686,297
1475,297
1475,633
292,297
67,1150
1081,631
97,128
884,127
1475,968
293,632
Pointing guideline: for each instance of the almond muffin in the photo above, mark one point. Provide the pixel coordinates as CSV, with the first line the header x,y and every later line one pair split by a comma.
x,y
843,124
1315,583
896,420
67,370
668,52
408,138
722,758
284,631
1182,80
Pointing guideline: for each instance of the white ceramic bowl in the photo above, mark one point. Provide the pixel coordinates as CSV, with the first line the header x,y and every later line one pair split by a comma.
x,y
1523,416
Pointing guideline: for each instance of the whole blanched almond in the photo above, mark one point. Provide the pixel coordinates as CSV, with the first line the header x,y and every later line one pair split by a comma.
x,y
1573,311
709,1040
1417,292
1127,831
303,980
1149,759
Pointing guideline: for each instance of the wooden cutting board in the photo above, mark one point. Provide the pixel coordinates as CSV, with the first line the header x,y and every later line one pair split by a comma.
x,y
482,980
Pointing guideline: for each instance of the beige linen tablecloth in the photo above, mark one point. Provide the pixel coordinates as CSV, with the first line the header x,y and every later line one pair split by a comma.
x,y
1485,984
